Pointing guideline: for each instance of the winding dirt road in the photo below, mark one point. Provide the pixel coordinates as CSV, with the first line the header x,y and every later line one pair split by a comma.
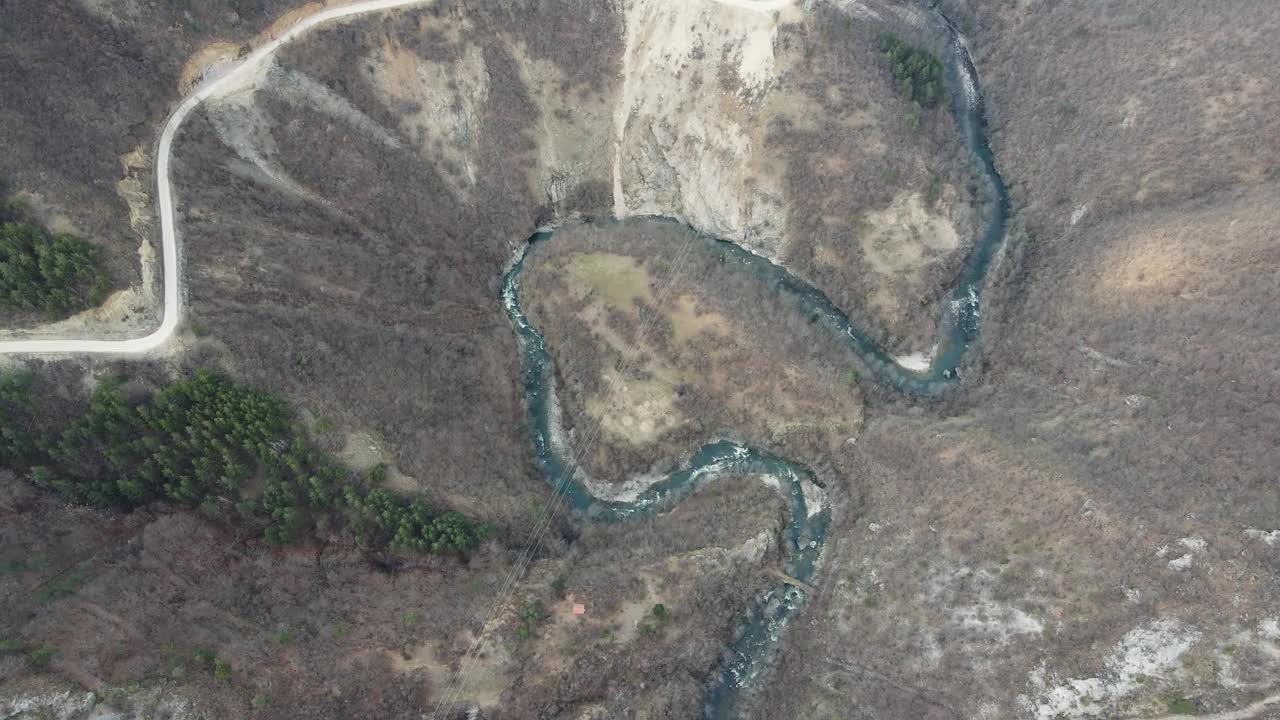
x,y
240,75
229,79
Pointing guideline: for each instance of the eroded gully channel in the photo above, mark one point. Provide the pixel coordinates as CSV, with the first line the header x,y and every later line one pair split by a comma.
x,y
755,644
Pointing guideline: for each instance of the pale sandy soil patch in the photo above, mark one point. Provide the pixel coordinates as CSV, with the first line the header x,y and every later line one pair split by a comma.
x,y
906,235
1225,108
202,61
689,319
449,98
364,450
638,411
209,58
1153,261
619,279
899,242
483,684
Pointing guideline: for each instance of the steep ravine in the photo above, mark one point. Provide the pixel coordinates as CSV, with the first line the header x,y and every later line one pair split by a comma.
x,y
757,640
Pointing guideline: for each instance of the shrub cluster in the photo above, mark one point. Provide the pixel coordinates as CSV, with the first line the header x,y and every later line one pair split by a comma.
x,y
207,442
55,274
384,517
917,72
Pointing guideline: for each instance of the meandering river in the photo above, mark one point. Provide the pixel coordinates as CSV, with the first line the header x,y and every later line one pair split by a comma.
x,y
756,642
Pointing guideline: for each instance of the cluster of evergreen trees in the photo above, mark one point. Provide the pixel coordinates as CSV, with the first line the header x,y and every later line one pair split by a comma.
x,y
383,517
207,442
917,72
56,274
17,438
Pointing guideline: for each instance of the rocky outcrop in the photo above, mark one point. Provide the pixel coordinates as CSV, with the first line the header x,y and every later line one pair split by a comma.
x,y
690,118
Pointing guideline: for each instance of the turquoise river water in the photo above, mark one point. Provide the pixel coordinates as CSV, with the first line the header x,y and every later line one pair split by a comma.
x,y
750,654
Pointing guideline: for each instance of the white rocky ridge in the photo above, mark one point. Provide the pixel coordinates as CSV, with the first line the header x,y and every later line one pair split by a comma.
x,y
695,155
1149,650
1269,538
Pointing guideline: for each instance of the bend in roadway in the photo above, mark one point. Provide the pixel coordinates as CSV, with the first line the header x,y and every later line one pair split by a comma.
x,y
242,72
